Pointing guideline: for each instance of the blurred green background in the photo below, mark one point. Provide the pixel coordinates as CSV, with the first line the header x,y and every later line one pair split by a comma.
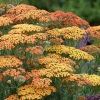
x,y
86,9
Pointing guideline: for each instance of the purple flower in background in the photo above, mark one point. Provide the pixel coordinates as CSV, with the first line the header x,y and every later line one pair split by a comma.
x,y
93,97
84,42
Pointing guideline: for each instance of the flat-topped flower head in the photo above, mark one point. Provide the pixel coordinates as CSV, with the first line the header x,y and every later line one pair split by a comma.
x,y
34,74
47,60
94,32
41,82
22,8
94,79
9,41
74,20
59,49
14,72
4,21
79,54
78,79
32,14
9,61
31,92
91,49
27,28
10,16
35,50
57,70
54,33
56,41
73,32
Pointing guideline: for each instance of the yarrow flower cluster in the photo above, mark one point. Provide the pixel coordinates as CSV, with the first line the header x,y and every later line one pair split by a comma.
x,y
92,49
35,50
94,31
94,79
23,28
73,52
39,55
9,61
73,32
4,21
57,70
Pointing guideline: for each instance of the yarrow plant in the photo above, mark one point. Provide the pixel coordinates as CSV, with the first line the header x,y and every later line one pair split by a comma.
x,y
40,58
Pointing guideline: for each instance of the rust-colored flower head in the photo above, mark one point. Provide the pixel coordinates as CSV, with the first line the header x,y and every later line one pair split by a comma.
x,y
94,32
10,16
56,41
14,72
35,50
91,49
59,14
34,74
74,20
41,82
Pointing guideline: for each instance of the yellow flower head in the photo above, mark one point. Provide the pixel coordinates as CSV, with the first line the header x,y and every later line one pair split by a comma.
x,y
30,92
53,33
94,79
59,49
72,33
57,70
78,54
28,27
